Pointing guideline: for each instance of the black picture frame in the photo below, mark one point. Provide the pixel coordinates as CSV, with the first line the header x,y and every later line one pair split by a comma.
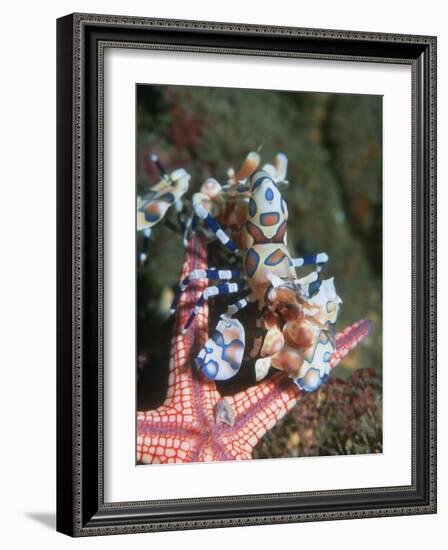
x,y
81,39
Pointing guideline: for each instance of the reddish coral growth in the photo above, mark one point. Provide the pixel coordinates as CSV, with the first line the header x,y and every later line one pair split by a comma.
x,y
185,130
343,417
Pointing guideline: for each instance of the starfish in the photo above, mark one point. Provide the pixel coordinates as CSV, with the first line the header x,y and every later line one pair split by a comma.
x,y
195,423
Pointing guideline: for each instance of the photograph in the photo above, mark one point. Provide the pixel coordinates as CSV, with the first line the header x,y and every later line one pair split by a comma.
x,y
259,274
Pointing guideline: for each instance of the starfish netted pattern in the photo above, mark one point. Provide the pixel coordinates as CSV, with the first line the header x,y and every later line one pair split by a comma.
x,y
196,424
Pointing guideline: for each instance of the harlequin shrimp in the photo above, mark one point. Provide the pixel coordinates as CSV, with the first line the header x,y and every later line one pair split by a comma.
x,y
227,203
297,315
154,204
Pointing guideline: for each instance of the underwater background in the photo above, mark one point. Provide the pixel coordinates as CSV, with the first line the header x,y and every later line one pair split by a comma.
x,y
334,149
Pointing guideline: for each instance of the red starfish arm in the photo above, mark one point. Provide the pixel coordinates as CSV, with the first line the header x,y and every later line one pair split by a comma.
x,y
159,441
348,339
253,412
168,417
188,389
173,432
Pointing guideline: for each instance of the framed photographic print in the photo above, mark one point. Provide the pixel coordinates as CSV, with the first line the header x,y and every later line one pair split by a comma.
x,y
246,274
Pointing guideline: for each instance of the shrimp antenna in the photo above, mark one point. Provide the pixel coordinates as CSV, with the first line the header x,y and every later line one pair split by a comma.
x,y
155,159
